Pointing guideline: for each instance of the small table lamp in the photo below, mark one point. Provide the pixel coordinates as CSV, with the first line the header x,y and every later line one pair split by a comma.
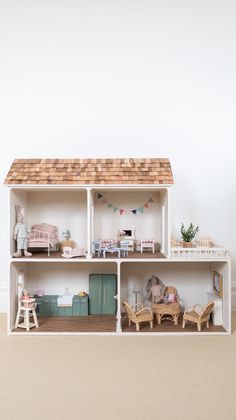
x,y
136,291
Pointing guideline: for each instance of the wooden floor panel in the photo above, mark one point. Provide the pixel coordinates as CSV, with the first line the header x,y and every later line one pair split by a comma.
x,y
168,326
136,255
107,323
91,323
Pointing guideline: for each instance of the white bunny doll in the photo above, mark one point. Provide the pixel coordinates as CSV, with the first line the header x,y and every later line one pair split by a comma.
x,y
20,233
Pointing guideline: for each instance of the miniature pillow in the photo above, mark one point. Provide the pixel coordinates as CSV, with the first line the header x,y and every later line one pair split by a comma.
x,y
172,297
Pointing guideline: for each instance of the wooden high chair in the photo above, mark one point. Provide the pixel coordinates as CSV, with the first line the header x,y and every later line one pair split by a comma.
x,y
26,310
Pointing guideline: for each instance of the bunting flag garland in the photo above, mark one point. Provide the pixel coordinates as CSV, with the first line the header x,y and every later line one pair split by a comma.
x,y
138,210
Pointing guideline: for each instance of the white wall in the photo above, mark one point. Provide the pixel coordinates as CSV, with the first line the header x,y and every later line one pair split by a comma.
x,y
177,275
107,224
66,210
128,78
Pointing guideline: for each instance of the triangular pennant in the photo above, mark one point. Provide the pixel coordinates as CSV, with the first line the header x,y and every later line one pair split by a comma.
x,y
150,200
146,205
99,196
115,209
140,209
109,205
134,211
121,211
127,211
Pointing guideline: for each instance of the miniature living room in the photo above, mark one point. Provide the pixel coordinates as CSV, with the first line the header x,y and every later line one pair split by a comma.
x,y
157,297
131,223
54,220
68,298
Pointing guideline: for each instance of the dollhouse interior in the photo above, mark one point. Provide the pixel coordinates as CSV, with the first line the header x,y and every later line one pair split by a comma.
x,y
124,232
96,310
137,213
64,209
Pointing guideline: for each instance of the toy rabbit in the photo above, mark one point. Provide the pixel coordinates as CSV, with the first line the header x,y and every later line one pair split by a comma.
x,y
20,233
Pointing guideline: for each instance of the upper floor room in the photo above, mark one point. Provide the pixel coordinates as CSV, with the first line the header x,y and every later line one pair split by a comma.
x,y
115,202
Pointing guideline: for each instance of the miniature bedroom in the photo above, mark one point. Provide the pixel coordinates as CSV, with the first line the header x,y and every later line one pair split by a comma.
x,y
72,297
171,297
54,220
129,223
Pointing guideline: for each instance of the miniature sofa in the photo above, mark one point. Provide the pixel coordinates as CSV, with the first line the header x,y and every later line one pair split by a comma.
x,y
43,236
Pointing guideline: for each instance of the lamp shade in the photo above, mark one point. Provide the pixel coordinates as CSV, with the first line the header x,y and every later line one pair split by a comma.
x,y
136,288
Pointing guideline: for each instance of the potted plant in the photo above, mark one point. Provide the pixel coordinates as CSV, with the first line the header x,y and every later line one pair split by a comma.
x,y
188,235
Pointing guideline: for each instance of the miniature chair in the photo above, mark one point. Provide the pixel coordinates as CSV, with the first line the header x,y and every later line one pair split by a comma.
x,y
26,310
143,315
125,248
147,244
168,311
205,241
96,248
198,315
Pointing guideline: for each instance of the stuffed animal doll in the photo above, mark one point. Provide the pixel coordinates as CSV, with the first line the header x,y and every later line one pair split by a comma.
x,y
20,233
28,302
157,296
155,290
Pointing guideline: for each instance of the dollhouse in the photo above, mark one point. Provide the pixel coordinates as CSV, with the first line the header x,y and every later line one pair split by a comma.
x,y
98,230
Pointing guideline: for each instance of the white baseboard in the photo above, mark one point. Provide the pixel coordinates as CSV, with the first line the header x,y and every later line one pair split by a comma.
x,y
3,300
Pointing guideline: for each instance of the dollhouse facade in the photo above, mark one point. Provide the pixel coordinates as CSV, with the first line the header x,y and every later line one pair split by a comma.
x,y
118,212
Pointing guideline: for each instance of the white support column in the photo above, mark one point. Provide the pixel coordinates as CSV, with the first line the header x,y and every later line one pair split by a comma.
x,y
168,222
163,225
89,222
92,217
118,312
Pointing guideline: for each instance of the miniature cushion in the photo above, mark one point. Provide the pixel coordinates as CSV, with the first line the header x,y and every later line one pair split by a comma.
x,y
172,297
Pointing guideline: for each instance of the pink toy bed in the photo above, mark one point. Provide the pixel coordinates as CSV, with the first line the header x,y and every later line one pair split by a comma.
x,y
43,236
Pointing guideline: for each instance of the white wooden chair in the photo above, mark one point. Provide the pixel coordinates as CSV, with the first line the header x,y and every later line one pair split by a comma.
x,y
26,310
147,244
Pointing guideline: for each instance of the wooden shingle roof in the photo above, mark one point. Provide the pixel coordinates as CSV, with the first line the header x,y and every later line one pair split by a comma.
x,y
90,171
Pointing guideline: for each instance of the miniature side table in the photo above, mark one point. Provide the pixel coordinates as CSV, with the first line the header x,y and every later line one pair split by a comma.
x,y
217,313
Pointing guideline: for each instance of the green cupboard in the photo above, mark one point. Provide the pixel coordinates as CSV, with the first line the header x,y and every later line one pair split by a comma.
x,y
102,291
47,305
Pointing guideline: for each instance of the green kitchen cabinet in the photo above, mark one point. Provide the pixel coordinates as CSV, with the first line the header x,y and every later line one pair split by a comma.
x,y
102,289
64,310
53,306
80,306
47,305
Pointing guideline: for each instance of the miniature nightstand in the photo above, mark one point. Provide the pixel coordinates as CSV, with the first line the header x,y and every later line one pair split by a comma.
x,y
217,313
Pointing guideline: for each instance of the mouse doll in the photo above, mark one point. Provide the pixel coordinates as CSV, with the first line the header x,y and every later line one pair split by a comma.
x,y
155,290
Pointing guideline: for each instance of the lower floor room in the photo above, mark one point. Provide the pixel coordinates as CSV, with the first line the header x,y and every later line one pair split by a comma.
x,y
127,297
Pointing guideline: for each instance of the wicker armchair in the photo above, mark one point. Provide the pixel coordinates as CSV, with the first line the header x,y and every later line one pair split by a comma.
x,y
168,311
198,315
143,315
